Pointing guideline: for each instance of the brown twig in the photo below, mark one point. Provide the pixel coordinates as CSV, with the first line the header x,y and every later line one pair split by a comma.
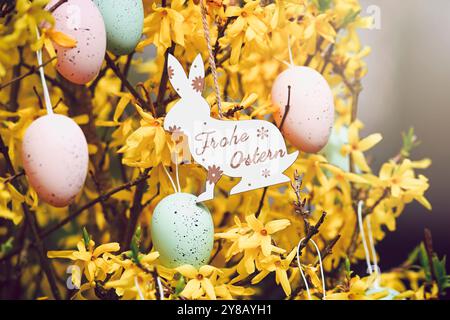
x,y
149,99
38,96
99,191
31,70
88,205
300,206
135,210
261,202
311,231
230,113
430,253
329,248
99,77
126,83
57,5
126,68
372,208
219,247
160,106
53,82
6,8
287,108
14,177
220,33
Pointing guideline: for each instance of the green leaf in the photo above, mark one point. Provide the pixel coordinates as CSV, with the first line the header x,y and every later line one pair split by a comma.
x,y
7,246
423,258
180,285
323,5
413,256
86,238
410,142
441,272
135,244
348,267
439,266
350,17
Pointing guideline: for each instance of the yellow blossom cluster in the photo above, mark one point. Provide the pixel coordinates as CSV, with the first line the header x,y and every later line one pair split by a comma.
x,y
257,232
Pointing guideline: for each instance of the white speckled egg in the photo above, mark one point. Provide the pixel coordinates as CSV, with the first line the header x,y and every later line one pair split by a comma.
x,y
124,21
182,231
81,20
311,114
55,158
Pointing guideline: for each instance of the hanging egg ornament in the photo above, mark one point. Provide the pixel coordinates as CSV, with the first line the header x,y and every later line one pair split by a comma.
x,y
182,231
332,151
124,22
310,119
55,158
82,21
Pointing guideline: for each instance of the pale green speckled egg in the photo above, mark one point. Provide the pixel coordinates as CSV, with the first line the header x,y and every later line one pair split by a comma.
x,y
182,231
124,21
332,151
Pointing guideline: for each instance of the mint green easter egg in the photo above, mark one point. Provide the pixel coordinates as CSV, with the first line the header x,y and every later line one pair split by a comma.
x,y
332,151
124,21
182,231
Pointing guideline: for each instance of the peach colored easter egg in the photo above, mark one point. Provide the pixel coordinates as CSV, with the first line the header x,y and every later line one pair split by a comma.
x,y
82,21
310,118
55,158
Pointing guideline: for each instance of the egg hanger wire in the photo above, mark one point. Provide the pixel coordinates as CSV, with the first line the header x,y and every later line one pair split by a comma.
x,y
373,251
363,237
290,64
373,254
177,176
141,294
170,178
321,269
138,288
291,59
48,102
160,288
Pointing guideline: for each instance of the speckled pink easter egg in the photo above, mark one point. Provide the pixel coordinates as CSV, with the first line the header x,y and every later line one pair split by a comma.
x,y
310,118
81,20
55,158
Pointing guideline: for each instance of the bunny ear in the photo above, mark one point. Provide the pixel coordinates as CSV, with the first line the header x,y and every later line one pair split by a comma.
x,y
197,74
177,77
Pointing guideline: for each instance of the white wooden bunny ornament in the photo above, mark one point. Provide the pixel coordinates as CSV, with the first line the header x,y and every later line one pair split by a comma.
x,y
253,150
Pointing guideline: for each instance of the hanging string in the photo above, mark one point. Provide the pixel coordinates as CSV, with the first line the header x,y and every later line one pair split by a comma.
x,y
160,288
321,269
372,244
363,236
138,288
177,176
48,102
212,63
170,178
373,252
291,59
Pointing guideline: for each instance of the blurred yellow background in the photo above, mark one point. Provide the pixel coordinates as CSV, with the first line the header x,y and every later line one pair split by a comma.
x,y
408,84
